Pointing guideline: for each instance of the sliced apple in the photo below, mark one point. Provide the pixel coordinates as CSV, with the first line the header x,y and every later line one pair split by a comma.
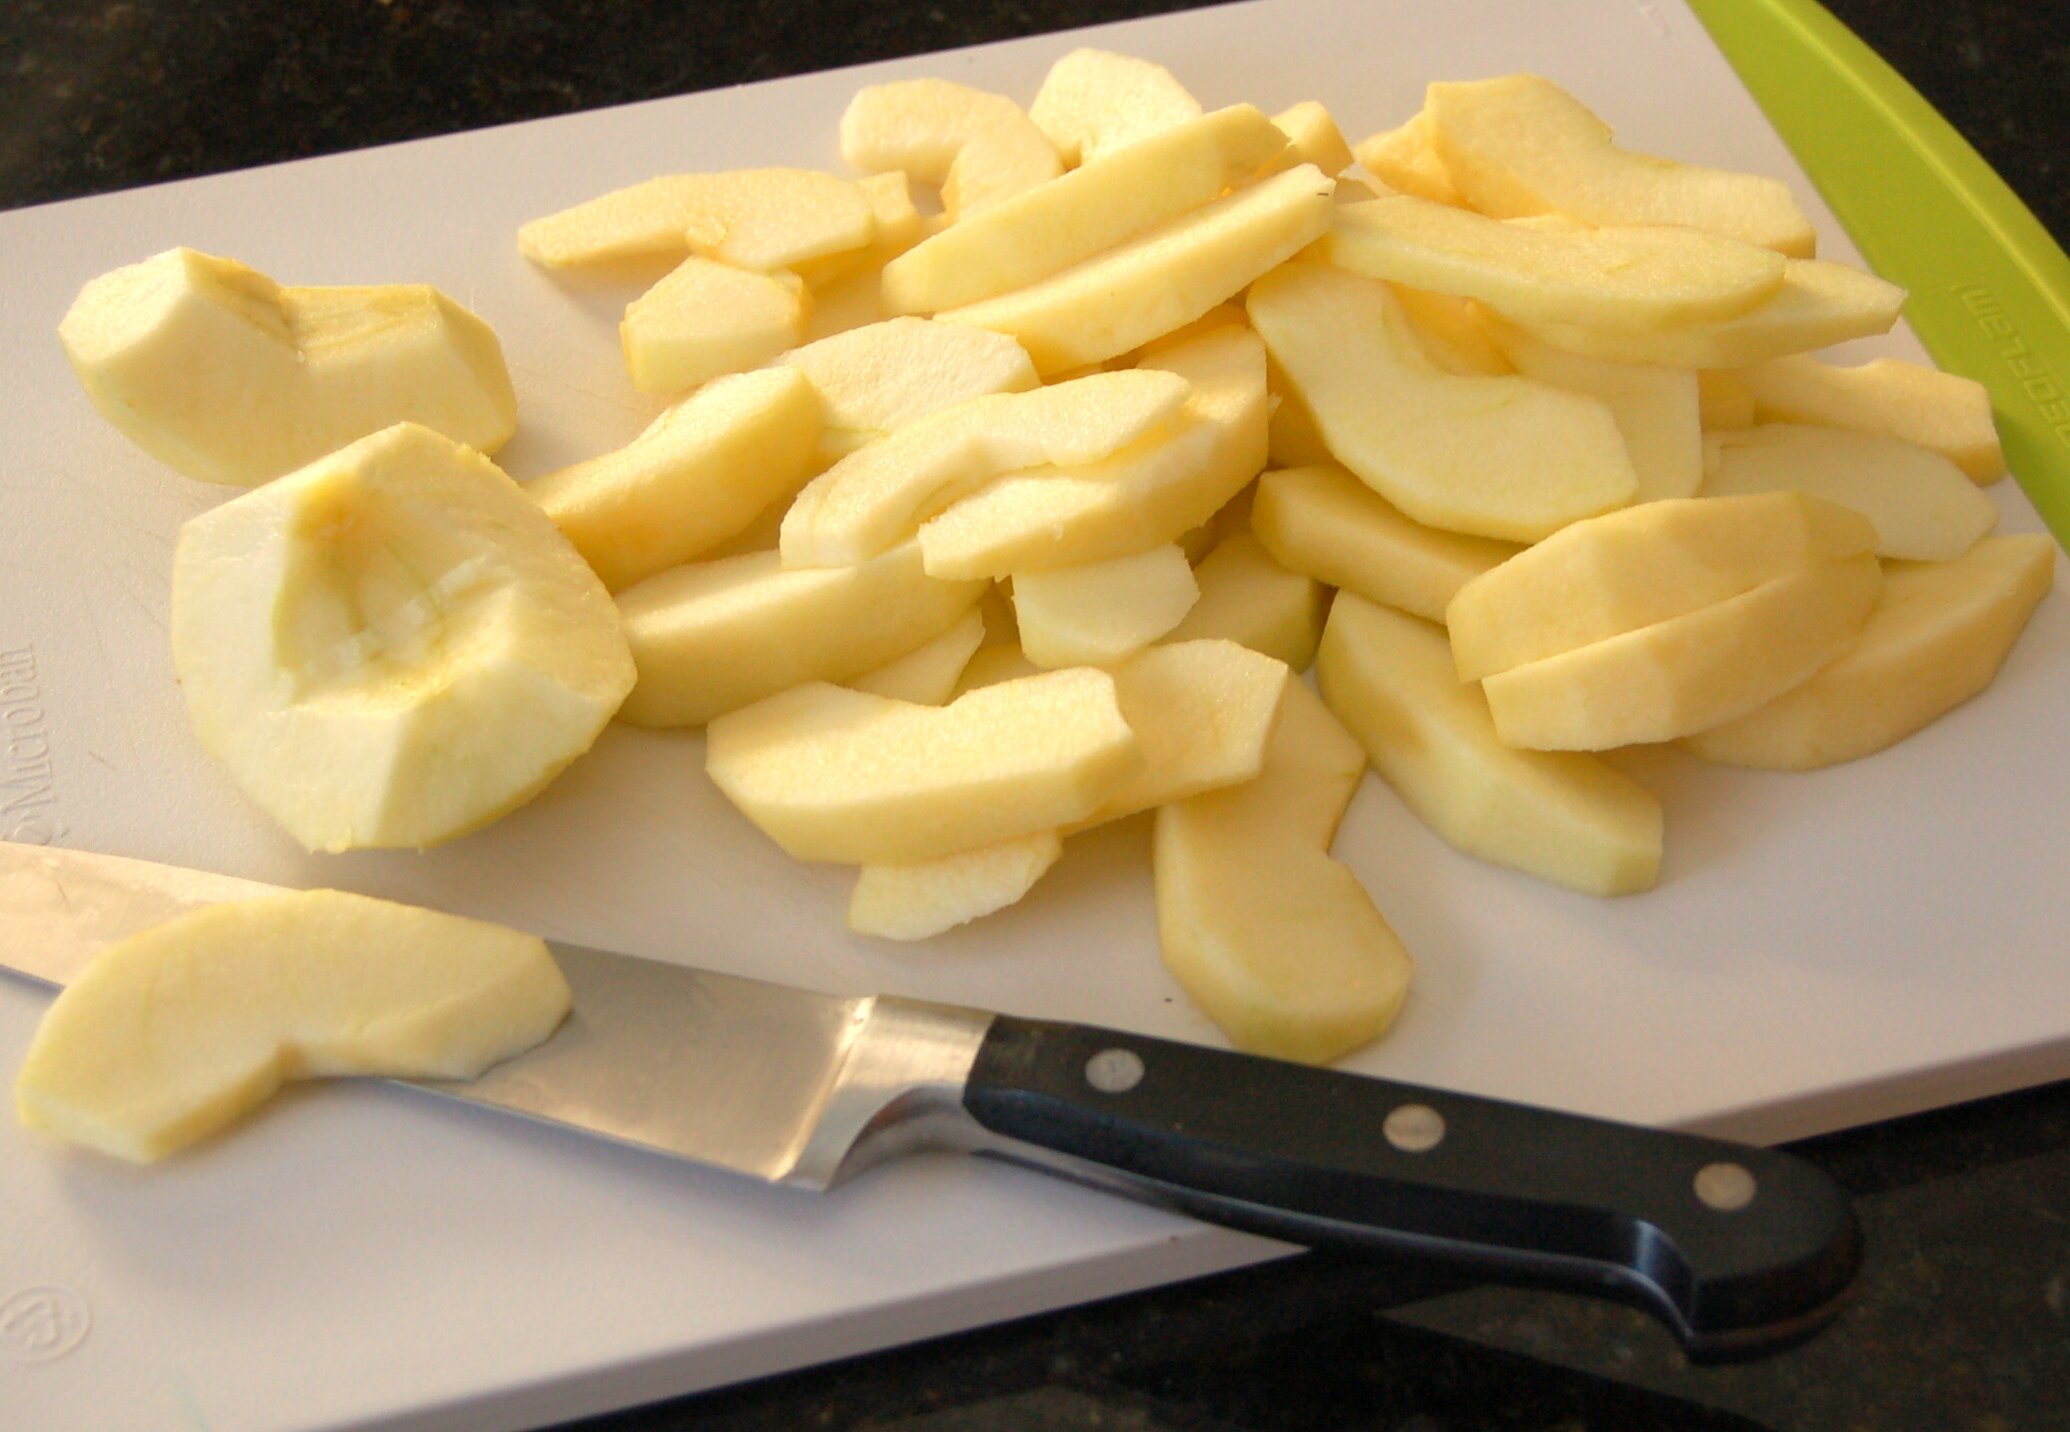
x,y
1521,145
1402,158
1937,637
1292,438
752,218
1454,333
1141,497
833,774
1724,399
1943,412
706,319
392,646
1658,410
1819,304
1640,278
878,495
1279,944
1688,673
712,637
1248,598
1923,506
885,375
1026,238
916,902
171,1034
225,376
1495,457
1097,613
697,475
1558,815
1313,137
1155,283
1628,570
1094,102
1325,523
979,147
896,224
928,674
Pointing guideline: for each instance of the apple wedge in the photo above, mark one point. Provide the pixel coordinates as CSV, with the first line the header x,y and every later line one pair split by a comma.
x,y
1943,412
1142,496
1248,598
1640,278
1093,102
1025,238
1161,280
882,376
760,219
169,1035
392,646
928,674
1521,145
1688,673
225,376
978,147
916,902
1937,637
712,637
1095,614
1494,457
1923,506
1325,523
1279,944
877,496
1724,399
1313,138
706,319
1561,816
837,775
1454,333
1402,158
697,475
1631,569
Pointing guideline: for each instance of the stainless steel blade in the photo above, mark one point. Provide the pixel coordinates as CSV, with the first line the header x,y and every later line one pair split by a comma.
x,y
778,1083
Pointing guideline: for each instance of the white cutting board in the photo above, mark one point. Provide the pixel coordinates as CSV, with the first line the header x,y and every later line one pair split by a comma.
x,y
1822,950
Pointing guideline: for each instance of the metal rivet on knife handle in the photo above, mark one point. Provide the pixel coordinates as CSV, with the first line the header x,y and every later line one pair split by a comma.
x,y
1725,1187
1414,1128
1114,1071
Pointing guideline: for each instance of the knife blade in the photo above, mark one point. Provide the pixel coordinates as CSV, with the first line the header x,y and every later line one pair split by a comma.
x,y
1738,1250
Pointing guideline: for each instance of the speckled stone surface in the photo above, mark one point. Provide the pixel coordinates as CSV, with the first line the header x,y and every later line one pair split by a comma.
x,y
1962,1316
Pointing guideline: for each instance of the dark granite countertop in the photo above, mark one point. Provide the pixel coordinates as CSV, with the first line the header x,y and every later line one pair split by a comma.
x,y
1962,1317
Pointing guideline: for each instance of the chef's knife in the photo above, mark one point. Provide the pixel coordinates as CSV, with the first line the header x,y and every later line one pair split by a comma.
x,y
1738,1250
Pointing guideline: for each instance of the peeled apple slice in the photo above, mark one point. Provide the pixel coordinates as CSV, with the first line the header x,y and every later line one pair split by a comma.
x,y
1944,412
1279,944
171,1034
1936,638
885,375
1604,278
1494,457
1093,102
1402,159
1095,614
392,646
1521,145
915,902
1559,815
752,218
979,147
929,673
226,376
1313,137
1248,598
706,319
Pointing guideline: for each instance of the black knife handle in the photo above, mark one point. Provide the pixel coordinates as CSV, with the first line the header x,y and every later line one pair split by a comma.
x,y
1513,1192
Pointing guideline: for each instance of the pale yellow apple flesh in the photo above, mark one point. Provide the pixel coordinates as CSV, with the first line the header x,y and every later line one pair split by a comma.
x,y
705,319
1094,102
1143,496
699,474
1248,598
1494,457
1143,289
879,495
1923,506
752,218
1026,238
1646,564
1403,160
979,147
1944,412
1325,523
896,224
1559,815
1097,613
392,646
885,375
837,775
225,376
1688,673
1521,145
712,637
1313,137
928,674
1454,333
1724,399
1640,278
1279,944
917,902
1938,636
173,1033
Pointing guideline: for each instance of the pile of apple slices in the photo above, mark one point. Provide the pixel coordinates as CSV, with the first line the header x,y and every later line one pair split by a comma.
x,y
971,529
